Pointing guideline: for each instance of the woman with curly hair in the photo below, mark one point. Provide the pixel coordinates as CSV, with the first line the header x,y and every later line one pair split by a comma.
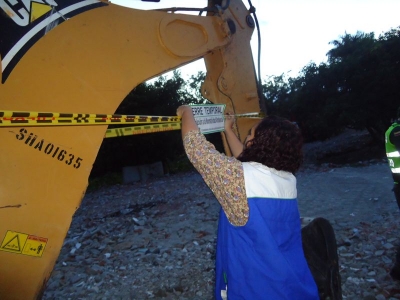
x,y
259,248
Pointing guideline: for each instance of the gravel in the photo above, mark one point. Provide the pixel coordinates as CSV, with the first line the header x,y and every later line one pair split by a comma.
x,y
156,239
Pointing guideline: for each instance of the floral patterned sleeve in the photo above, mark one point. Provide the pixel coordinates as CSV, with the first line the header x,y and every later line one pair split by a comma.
x,y
223,175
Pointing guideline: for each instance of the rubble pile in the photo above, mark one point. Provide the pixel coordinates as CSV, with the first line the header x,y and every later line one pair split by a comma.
x,y
157,239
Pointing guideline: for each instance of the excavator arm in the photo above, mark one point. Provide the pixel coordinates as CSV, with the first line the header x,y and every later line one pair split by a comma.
x,y
85,57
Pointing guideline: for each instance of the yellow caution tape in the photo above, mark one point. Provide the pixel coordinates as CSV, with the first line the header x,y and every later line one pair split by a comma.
x,y
18,118
255,115
157,123
134,130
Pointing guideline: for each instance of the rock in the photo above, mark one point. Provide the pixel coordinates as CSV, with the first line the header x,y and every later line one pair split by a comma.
x,y
157,239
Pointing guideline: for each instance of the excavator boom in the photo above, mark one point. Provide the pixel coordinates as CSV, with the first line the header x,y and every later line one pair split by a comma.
x,y
72,56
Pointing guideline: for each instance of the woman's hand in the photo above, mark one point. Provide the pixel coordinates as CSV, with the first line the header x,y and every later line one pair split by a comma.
x,y
182,109
229,121
188,122
234,143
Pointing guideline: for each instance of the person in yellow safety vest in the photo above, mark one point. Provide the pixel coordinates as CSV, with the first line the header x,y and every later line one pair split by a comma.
x,y
392,143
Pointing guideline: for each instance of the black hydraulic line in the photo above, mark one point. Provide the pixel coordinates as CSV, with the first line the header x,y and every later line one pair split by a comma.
x,y
226,5
174,9
259,84
200,10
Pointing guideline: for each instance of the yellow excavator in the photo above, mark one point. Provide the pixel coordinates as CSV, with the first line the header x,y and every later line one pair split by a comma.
x,y
85,56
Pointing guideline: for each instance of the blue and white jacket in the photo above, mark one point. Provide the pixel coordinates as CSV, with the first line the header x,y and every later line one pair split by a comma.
x,y
264,259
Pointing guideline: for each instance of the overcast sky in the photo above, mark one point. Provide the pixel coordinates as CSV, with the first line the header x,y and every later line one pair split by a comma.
x,y
294,32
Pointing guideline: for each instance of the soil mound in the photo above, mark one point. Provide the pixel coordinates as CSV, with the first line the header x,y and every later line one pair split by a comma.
x,y
350,147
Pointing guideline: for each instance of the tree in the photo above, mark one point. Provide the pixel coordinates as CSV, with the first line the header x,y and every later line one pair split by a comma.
x,y
276,90
160,98
365,76
356,88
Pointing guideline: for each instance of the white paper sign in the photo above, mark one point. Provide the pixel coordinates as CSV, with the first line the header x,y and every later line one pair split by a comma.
x,y
210,117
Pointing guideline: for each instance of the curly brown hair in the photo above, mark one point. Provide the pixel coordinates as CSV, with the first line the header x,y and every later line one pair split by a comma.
x,y
277,144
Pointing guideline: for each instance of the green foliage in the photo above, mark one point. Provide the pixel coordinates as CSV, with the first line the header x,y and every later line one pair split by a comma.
x,y
356,88
179,164
159,98
104,181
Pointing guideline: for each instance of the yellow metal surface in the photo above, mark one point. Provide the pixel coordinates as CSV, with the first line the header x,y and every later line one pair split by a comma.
x,y
89,63
231,78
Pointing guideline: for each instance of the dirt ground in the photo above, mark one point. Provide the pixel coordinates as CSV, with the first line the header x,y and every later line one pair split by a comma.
x,y
156,239
349,147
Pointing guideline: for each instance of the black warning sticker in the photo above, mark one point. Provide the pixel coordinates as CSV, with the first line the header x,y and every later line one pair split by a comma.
x,y
24,22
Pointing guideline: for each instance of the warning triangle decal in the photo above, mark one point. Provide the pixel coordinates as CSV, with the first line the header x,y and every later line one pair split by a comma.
x,y
38,10
13,244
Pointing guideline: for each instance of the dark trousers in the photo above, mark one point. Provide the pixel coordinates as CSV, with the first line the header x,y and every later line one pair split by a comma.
x,y
396,191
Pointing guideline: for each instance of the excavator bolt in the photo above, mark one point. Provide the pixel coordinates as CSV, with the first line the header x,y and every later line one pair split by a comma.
x,y
250,21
